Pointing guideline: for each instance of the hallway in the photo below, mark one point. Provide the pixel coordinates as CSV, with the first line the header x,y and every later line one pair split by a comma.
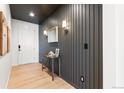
x,y
65,37
31,76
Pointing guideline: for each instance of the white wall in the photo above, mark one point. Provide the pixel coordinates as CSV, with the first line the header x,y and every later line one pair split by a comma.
x,y
109,46
5,61
14,43
113,46
120,46
17,27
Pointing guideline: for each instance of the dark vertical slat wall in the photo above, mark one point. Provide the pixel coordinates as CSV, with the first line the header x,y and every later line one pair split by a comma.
x,y
91,40
87,13
83,41
84,22
96,45
100,48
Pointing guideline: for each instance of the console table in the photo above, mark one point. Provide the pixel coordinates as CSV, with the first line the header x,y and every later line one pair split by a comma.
x,y
52,60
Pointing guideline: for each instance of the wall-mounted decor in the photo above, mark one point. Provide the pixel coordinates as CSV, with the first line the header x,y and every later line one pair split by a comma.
x,y
45,33
64,26
53,34
4,35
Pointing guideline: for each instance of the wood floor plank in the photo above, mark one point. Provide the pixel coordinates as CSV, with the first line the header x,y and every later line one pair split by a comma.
x,y
31,76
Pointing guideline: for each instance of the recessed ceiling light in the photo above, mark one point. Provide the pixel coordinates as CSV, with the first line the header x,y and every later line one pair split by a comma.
x,y
31,14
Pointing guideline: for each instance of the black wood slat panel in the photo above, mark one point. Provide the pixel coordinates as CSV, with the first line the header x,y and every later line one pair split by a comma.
x,y
96,46
78,45
85,26
72,44
69,41
77,54
83,41
100,49
87,50
91,50
65,49
75,34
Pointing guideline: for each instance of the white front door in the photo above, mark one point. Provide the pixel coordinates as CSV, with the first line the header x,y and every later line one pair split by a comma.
x,y
26,45
24,42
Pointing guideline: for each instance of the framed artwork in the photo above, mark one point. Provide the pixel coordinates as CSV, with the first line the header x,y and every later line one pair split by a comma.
x,y
4,35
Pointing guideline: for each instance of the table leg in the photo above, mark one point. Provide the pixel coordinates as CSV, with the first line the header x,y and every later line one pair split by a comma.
x,y
52,69
59,68
49,64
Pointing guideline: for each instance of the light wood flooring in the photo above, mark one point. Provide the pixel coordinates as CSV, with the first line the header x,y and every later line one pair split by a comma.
x,y
31,76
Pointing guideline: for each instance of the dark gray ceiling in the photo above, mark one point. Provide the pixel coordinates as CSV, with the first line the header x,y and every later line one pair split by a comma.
x,y
42,11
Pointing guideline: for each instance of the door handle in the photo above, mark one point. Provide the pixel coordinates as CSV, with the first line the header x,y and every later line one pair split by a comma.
x,y
19,47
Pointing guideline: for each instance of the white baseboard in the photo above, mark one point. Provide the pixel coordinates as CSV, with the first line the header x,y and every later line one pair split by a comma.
x,y
8,78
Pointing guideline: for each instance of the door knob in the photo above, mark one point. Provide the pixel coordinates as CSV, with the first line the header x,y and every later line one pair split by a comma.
x,y
19,47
